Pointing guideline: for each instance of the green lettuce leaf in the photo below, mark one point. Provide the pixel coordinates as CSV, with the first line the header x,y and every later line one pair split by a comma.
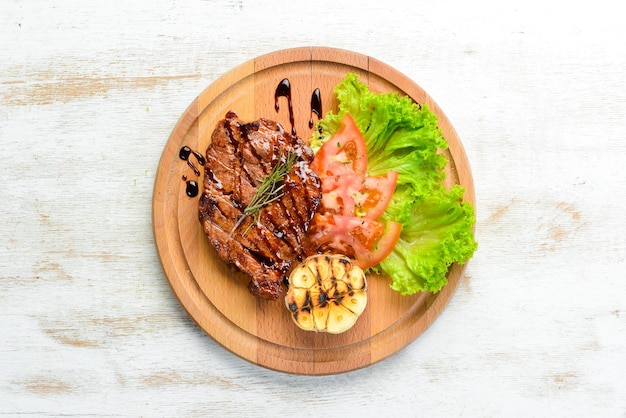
x,y
401,135
440,233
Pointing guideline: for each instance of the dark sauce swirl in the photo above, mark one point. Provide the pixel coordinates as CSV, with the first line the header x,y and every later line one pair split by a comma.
x,y
284,90
185,152
316,106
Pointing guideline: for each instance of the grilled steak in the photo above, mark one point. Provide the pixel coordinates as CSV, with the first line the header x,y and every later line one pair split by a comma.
x,y
239,157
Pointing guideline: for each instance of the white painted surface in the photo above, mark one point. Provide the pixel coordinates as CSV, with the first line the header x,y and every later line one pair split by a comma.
x,y
89,95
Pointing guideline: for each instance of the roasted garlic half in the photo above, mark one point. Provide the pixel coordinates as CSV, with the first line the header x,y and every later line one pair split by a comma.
x,y
327,293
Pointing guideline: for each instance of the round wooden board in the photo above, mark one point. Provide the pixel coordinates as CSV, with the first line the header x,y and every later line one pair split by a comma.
x,y
217,298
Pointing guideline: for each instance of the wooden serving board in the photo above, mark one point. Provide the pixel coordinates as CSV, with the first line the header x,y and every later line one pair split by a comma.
x,y
217,298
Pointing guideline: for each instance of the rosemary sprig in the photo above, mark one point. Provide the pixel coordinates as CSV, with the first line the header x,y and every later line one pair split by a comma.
x,y
270,190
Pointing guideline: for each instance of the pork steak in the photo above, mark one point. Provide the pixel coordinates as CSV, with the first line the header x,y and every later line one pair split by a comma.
x,y
239,158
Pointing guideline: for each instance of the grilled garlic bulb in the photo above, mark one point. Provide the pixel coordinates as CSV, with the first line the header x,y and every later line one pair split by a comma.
x,y
326,293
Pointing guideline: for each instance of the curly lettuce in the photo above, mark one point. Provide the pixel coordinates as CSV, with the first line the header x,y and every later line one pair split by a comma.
x,y
440,232
401,135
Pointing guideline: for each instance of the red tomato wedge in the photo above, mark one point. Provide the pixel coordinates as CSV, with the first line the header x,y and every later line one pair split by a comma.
x,y
384,246
352,202
344,153
364,240
357,195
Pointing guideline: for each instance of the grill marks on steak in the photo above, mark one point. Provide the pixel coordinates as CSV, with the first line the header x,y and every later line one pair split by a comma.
x,y
240,156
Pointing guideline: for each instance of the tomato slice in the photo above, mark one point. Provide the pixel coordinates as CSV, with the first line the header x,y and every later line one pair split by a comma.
x,y
364,240
357,195
344,153
384,246
352,202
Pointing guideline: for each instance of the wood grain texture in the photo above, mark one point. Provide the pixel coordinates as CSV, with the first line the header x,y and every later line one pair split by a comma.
x,y
261,331
89,95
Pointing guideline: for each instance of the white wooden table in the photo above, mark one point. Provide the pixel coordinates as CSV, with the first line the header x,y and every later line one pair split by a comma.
x,y
89,95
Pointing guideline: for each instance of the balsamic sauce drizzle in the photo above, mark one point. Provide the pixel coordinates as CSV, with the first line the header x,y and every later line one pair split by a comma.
x,y
185,152
192,189
284,90
316,106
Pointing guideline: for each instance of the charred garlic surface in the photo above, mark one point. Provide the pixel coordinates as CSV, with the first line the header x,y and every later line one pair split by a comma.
x,y
327,293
